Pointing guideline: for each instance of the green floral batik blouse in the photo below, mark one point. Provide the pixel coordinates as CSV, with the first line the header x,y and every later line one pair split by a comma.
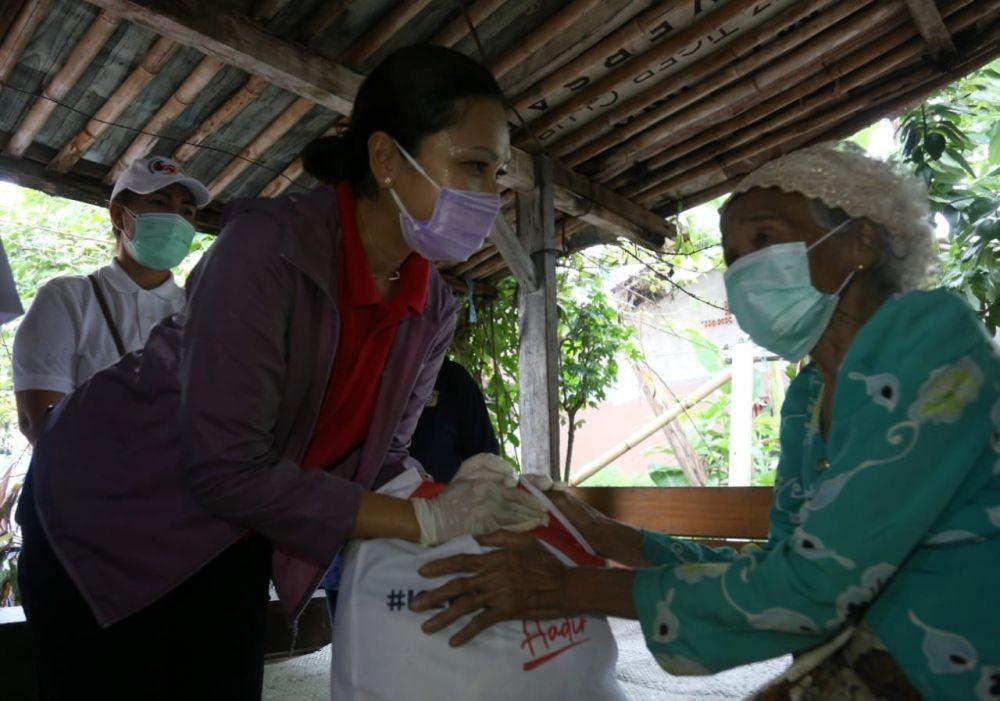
x,y
894,518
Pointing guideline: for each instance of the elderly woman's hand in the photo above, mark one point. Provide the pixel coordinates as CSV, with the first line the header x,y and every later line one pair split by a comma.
x,y
611,539
522,581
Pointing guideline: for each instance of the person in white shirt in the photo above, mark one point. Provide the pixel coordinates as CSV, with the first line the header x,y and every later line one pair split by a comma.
x,y
78,325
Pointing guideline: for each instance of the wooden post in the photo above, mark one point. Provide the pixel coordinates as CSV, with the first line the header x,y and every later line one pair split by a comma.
x,y
741,416
539,357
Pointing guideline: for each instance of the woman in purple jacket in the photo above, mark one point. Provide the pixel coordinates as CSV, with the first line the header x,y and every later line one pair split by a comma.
x,y
165,492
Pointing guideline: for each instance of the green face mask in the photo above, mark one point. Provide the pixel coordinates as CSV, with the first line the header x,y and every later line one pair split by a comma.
x,y
161,240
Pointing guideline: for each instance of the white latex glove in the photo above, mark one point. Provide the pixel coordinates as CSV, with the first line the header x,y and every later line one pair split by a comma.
x,y
476,507
487,467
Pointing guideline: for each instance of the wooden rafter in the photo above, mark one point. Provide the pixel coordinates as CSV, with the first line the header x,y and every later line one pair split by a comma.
x,y
168,112
120,99
237,41
930,24
253,151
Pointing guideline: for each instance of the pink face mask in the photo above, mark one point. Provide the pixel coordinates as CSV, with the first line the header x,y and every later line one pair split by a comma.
x,y
459,225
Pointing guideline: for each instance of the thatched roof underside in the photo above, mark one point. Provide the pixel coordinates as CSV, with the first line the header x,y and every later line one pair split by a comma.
x,y
648,107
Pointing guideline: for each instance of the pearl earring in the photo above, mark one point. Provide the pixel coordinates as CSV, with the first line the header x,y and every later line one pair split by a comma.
x,y
387,181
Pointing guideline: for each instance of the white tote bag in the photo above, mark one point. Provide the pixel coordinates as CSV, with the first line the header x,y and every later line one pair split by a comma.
x,y
380,653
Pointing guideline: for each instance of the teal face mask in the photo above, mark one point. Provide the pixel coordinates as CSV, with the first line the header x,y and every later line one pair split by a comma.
x,y
773,299
161,241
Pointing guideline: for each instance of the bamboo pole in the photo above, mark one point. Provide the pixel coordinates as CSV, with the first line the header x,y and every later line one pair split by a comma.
x,y
321,19
247,93
264,10
781,74
688,86
872,62
631,36
62,82
542,35
646,430
387,27
458,28
263,141
19,34
931,26
294,170
917,84
150,65
175,104
649,60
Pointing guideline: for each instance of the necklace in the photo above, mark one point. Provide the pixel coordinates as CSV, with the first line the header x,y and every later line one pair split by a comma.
x,y
394,277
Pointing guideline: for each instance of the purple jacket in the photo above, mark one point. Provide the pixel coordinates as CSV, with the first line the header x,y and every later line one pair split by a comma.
x,y
161,462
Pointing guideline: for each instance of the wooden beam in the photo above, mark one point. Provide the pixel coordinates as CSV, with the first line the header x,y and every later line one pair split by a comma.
x,y
514,254
235,40
120,99
64,79
386,28
19,34
177,103
227,111
263,141
538,360
238,41
930,24
480,289
706,512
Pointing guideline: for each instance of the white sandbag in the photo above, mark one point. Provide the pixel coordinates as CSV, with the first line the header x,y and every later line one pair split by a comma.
x,y
380,654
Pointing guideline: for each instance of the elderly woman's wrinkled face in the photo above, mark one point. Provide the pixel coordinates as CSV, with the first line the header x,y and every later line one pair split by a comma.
x,y
760,218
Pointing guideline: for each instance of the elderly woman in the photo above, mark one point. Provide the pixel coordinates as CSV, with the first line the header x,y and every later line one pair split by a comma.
x,y
883,560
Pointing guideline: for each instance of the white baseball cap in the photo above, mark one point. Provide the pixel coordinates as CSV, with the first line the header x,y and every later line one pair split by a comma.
x,y
146,175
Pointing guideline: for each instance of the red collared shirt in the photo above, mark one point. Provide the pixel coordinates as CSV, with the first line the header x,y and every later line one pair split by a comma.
x,y
367,330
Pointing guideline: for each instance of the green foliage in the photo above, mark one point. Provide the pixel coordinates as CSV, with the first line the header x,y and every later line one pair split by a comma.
x,y
590,338
953,143
10,489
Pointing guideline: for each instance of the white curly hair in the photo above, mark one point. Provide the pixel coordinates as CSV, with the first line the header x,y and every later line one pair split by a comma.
x,y
842,182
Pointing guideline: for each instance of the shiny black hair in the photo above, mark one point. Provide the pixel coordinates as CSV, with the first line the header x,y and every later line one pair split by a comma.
x,y
409,95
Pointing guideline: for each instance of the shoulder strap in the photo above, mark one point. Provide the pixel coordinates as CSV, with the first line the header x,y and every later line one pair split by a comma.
x,y
112,327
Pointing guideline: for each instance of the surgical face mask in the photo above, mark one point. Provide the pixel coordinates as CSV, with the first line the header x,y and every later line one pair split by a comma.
x,y
773,299
459,225
161,239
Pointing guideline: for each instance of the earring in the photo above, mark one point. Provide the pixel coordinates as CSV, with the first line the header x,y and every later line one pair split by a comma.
x,y
387,181
861,266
